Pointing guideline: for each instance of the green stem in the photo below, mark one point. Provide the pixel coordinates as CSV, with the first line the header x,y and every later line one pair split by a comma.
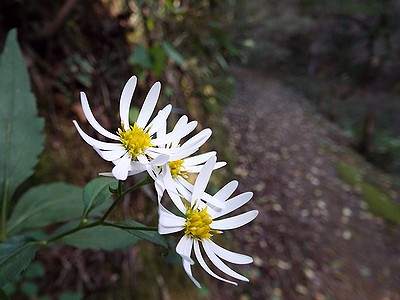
x,y
130,227
121,195
3,234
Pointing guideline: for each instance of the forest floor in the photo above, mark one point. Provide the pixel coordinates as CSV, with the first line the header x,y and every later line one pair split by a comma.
x,y
314,237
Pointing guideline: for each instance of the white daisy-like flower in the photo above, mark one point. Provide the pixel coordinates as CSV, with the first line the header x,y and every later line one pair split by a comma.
x,y
201,221
135,145
173,175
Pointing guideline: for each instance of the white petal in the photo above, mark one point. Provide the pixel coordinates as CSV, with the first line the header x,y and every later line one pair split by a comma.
x,y
168,219
171,186
206,197
184,248
136,168
188,269
177,134
234,203
96,143
107,174
234,222
220,264
111,155
197,140
197,169
202,179
227,190
125,101
149,105
92,121
159,121
203,264
230,256
160,160
120,171
198,159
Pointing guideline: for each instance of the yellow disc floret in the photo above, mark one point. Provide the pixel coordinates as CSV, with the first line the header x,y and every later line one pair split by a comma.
x,y
198,224
135,139
177,168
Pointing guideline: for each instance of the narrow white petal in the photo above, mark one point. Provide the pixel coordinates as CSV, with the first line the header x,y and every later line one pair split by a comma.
x,y
197,169
92,121
206,197
107,174
177,134
171,186
96,143
220,264
203,264
198,159
227,190
184,248
159,121
148,105
136,168
234,222
125,101
168,230
160,160
230,256
234,203
120,171
111,155
197,140
168,219
202,179
188,269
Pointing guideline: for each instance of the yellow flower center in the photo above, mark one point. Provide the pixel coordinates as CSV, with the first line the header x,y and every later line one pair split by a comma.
x,y
198,224
177,168
135,140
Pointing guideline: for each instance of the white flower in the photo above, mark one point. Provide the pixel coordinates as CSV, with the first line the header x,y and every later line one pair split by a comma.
x,y
136,145
201,221
173,175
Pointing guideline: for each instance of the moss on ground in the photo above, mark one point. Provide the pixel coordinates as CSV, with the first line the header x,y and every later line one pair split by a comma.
x,y
378,202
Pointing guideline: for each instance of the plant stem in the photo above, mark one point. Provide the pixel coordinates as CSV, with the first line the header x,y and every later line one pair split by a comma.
x,y
121,195
3,228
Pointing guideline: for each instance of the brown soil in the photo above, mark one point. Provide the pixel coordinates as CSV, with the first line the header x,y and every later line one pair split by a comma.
x,y
313,238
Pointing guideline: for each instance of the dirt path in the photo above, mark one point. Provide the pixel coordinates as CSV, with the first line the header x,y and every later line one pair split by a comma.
x,y
314,238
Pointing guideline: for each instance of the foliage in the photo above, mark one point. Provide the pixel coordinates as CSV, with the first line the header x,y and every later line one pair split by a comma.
x,y
50,205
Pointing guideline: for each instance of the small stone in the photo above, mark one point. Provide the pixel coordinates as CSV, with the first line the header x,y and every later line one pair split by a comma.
x,y
347,235
346,212
301,289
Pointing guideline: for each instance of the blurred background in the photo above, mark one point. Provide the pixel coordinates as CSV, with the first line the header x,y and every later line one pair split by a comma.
x,y
302,97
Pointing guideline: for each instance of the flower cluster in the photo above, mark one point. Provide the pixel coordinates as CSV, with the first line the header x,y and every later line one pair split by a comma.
x,y
146,146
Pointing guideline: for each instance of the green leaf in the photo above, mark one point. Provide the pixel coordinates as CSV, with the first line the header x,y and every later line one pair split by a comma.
x,y
96,192
100,237
159,58
149,235
141,57
21,130
16,254
173,54
46,204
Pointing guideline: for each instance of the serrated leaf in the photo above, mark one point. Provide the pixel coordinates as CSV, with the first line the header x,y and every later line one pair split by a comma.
x,y
149,235
16,254
46,204
96,192
21,130
100,238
